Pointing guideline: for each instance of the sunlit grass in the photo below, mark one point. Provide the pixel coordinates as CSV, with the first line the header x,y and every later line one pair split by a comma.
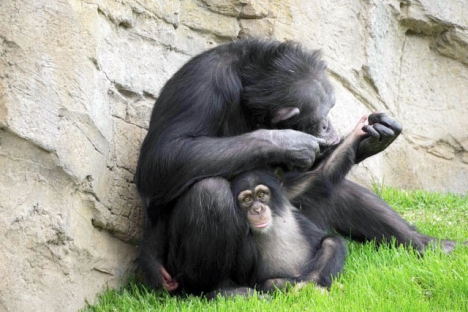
x,y
384,279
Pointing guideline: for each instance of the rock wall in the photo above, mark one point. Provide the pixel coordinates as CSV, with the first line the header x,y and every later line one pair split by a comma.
x,y
78,80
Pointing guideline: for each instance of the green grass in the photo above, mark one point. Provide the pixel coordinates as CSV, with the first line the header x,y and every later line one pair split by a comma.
x,y
387,279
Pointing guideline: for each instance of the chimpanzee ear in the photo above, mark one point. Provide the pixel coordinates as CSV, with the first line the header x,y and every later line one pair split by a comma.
x,y
284,113
279,173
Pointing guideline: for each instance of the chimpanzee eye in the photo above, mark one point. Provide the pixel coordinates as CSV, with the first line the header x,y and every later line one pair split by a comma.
x,y
325,125
247,199
261,194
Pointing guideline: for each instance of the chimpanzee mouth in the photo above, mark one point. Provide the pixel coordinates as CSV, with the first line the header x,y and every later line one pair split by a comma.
x,y
261,225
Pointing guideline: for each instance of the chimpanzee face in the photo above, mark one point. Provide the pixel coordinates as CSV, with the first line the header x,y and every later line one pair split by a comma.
x,y
311,104
290,90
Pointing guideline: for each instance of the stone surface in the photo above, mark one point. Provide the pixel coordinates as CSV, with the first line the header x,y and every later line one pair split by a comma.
x,y
78,80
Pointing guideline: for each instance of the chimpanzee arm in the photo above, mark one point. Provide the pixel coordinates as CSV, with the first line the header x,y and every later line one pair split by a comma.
x,y
152,248
387,128
171,165
333,168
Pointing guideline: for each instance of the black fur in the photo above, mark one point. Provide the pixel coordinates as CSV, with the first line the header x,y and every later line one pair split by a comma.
x,y
306,252
232,109
278,252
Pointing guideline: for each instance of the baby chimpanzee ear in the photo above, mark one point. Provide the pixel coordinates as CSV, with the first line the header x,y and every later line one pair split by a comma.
x,y
284,113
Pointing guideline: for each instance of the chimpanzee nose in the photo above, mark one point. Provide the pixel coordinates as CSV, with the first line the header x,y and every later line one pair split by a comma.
x,y
257,208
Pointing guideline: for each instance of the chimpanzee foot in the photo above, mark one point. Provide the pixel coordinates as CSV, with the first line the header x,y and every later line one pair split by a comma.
x,y
169,283
447,246
232,292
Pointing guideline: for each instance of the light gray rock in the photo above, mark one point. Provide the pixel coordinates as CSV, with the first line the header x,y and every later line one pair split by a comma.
x,y
78,80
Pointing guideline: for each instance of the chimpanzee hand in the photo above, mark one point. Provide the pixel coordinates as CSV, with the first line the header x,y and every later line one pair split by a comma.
x,y
293,148
382,131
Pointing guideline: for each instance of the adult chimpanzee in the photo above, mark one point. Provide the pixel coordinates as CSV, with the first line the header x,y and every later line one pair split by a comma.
x,y
288,248
231,109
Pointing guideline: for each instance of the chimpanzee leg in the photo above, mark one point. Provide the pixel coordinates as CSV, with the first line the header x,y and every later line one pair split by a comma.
x,y
354,211
328,262
203,235
152,249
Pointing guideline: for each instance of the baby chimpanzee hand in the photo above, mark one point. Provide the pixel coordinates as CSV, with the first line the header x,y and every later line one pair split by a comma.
x,y
382,131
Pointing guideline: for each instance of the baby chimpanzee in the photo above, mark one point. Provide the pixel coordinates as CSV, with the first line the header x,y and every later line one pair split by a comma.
x,y
283,246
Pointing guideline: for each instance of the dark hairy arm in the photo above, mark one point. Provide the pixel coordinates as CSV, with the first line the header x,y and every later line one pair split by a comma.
x,y
334,166
175,164
364,141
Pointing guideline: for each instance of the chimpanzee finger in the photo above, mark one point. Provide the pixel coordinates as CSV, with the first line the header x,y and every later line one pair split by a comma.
x,y
371,131
385,120
384,131
374,117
